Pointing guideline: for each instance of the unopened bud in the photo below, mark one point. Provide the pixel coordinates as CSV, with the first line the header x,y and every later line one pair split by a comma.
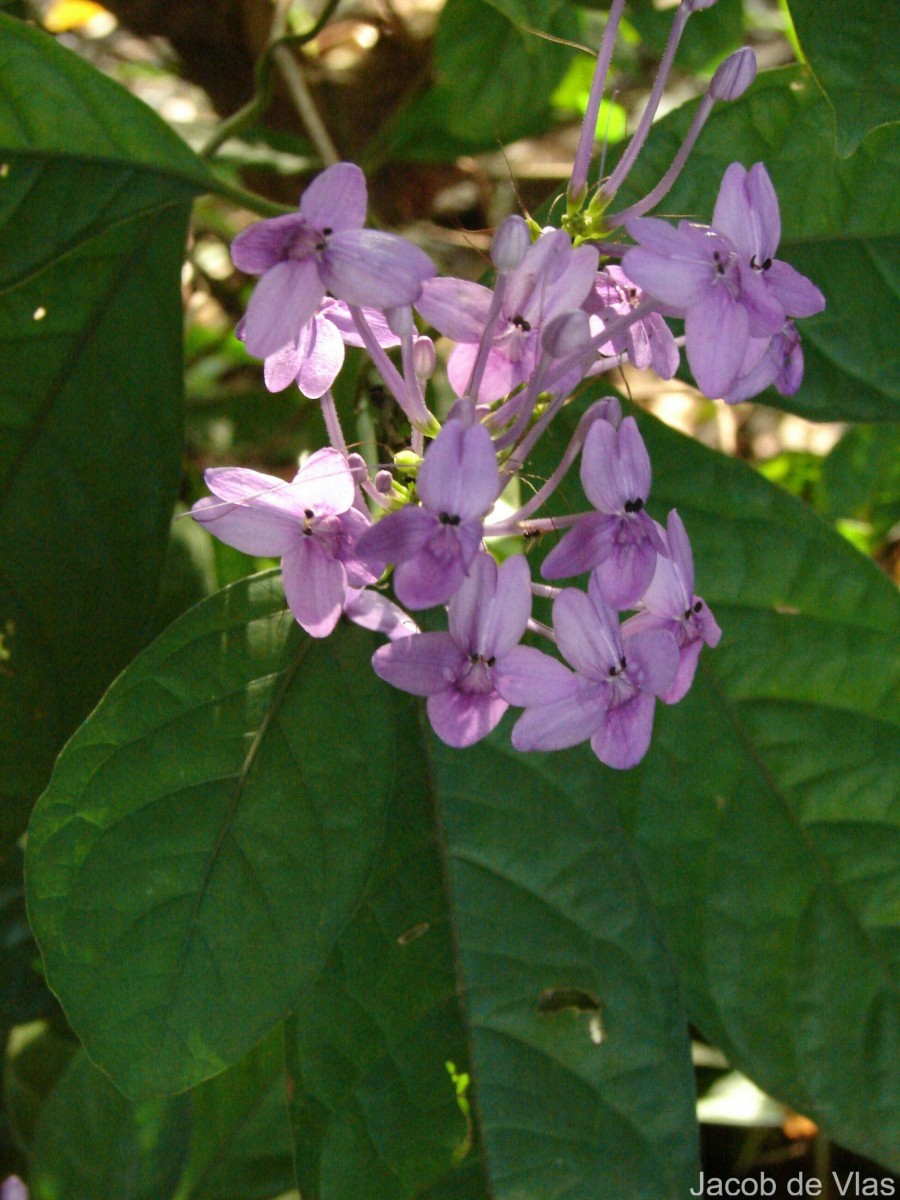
x,y
734,75
400,321
510,243
358,468
567,333
424,358
384,481
408,462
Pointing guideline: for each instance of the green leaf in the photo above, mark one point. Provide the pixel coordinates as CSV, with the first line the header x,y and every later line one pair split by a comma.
x,y
240,1138
93,1144
573,1033
374,1109
579,1053
93,209
765,813
861,479
853,51
840,220
202,842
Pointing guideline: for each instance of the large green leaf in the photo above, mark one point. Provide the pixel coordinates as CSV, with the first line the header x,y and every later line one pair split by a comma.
x,y
854,52
91,1143
840,221
205,836
93,209
573,1031
765,814
240,1147
373,1107
579,1053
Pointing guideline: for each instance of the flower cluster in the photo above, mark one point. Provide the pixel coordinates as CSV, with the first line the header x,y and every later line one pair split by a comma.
x,y
565,305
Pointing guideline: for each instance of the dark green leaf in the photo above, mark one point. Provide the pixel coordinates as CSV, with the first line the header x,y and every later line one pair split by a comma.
x,y
374,1108
853,50
574,1035
202,843
93,192
840,220
93,1144
765,814
240,1138
861,478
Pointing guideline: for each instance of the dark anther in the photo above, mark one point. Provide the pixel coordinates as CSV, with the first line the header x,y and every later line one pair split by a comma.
x,y
327,231
490,661
473,659
449,519
622,663
321,245
308,513
760,266
522,324
633,506
613,672
698,605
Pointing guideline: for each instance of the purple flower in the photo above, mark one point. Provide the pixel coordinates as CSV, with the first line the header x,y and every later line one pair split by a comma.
x,y
620,540
618,676
13,1188
724,278
322,248
434,545
314,358
551,279
670,604
776,360
747,212
696,272
473,673
648,342
309,524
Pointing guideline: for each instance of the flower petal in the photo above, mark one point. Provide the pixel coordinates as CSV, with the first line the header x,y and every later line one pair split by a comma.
x,y
315,586
652,658
716,341
324,483
397,536
460,718
423,664
336,199
266,533
459,473
323,360
560,724
582,547
624,734
455,307
587,633
376,612
262,245
367,267
527,677
283,301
